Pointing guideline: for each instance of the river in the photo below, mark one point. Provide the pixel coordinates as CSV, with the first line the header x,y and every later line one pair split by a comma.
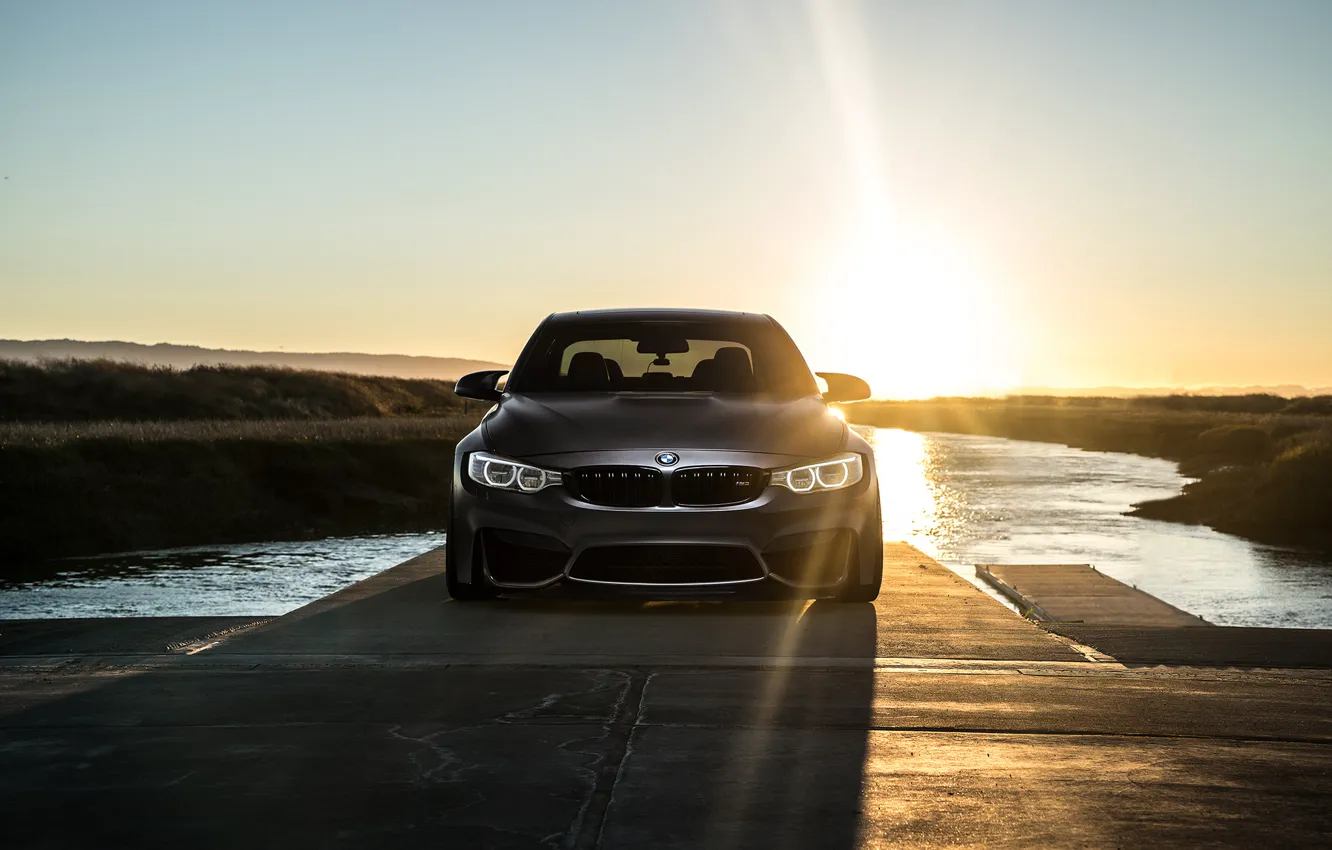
x,y
961,499
968,500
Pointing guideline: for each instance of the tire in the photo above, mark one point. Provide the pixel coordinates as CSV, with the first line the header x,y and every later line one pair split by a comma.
x,y
854,591
480,588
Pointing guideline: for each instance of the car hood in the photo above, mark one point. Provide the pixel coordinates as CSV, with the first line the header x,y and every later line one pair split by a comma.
x,y
553,423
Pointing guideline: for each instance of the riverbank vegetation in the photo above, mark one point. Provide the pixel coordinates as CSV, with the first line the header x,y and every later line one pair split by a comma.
x,y
328,431
1263,463
98,487
102,457
100,390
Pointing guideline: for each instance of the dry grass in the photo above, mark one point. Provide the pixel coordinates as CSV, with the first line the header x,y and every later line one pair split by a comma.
x,y
98,456
83,488
93,390
364,429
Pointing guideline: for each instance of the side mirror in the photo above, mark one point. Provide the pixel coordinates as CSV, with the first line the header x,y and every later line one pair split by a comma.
x,y
481,385
844,387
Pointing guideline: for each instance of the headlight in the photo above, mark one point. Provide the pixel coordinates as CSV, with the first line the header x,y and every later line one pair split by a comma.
x,y
832,474
502,474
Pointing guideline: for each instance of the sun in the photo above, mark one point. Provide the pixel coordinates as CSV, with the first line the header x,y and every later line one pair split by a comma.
x,y
904,311
899,305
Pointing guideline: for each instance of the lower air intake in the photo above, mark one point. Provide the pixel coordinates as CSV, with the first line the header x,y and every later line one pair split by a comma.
x,y
812,559
518,558
667,564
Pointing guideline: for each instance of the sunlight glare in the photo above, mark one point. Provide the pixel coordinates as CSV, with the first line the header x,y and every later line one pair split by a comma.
x,y
903,307
923,325
905,488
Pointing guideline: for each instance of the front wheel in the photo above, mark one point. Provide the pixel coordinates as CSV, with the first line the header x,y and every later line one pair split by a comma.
x,y
853,590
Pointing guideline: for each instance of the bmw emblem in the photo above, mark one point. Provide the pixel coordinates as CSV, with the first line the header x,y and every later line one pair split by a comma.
x,y
668,458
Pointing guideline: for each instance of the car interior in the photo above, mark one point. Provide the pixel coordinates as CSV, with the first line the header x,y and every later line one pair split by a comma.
x,y
728,370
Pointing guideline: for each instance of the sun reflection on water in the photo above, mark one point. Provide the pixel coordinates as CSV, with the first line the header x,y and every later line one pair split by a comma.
x,y
909,493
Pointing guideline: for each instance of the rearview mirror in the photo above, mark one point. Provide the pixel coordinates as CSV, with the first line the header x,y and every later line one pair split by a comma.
x,y
480,385
663,345
844,387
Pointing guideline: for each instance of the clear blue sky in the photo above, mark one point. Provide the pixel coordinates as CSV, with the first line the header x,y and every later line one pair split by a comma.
x,y
943,196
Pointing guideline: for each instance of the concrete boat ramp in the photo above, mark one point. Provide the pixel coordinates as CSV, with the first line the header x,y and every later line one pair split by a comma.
x,y
386,715
1079,593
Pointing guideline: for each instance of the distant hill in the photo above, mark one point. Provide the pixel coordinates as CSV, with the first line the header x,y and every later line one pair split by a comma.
x,y
185,356
1284,390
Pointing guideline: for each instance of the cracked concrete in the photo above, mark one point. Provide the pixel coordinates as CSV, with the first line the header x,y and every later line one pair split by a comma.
x,y
388,716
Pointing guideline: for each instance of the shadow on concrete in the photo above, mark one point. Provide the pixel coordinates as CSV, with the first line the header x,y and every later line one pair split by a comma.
x,y
761,758
416,617
110,636
225,749
1205,645
386,715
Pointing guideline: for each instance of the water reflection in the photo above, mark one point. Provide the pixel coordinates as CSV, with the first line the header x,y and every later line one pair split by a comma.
x,y
244,579
910,494
970,499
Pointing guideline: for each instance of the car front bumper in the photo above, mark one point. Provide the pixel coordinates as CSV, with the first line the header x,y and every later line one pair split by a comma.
x,y
771,528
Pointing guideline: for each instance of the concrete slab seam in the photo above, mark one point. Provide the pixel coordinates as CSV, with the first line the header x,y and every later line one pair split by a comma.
x,y
1091,653
212,639
223,662
1016,733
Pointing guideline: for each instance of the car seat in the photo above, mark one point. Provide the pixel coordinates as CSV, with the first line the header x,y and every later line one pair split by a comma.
x,y
587,373
731,371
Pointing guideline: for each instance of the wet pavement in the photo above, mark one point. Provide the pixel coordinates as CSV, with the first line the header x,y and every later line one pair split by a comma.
x,y
387,715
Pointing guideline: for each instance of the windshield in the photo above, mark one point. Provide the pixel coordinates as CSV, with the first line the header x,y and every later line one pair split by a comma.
x,y
740,357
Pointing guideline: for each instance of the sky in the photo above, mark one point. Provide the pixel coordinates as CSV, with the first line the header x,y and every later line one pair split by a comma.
x,y
946,197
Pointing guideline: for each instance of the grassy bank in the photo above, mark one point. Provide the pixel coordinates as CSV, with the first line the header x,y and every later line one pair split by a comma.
x,y
1264,463
98,456
100,390
401,428
115,486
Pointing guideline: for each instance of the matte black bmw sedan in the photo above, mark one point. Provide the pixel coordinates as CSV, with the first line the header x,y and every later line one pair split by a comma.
x,y
664,452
